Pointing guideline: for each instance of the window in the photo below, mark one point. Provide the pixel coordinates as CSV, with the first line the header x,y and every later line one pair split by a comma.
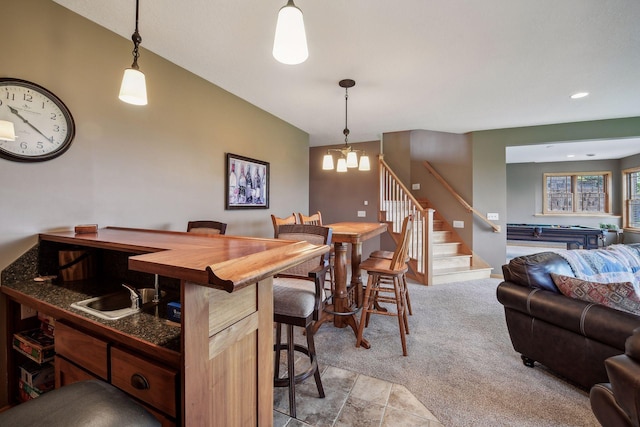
x,y
571,193
631,179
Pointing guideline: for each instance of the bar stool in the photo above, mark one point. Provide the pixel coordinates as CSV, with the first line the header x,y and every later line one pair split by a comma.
x,y
297,300
389,255
206,227
385,285
316,219
91,403
277,222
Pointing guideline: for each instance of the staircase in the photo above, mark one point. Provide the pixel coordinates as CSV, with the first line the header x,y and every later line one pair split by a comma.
x,y
437,253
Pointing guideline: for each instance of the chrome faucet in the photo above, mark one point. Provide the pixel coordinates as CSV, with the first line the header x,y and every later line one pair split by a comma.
x,y
156,296
135,296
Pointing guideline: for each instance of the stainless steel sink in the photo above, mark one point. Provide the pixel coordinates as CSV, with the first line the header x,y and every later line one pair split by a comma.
x,y
117,305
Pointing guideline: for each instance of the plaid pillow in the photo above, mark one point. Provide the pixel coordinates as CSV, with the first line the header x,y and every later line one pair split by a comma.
x,y
621,296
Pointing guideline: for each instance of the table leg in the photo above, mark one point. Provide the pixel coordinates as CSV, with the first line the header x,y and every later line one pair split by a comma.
x,y
356,280
340,298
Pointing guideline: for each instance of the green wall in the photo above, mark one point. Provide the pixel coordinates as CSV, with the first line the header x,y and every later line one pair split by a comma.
x,y
490,176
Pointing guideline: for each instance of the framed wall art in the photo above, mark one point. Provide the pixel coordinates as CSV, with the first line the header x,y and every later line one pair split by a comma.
x,y
247,183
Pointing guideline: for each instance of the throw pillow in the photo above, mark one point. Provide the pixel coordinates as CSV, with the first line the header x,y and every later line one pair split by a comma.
x,y
621,296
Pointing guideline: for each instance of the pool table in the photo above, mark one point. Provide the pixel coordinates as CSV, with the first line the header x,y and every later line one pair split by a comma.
x,y
575,236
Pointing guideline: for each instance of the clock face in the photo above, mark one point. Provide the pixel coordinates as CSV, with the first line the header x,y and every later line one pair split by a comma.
x,y
44,126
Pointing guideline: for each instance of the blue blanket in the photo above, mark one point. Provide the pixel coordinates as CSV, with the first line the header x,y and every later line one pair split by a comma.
x,y
615,263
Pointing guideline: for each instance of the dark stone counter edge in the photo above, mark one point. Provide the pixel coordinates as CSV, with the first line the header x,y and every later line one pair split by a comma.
x,y
149,327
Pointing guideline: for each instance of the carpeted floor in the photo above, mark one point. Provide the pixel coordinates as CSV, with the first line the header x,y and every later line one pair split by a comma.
x,y
461,364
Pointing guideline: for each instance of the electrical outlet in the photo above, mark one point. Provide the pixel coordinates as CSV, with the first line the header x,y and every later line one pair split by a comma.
x,y
366,203
415,186
493,216
26,312
362,214
458,224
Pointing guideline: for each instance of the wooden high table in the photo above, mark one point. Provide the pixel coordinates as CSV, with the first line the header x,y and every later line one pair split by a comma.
x,y
341,311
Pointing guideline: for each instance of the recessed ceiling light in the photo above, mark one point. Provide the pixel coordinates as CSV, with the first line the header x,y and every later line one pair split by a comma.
x,y
590,155
571,155
579,95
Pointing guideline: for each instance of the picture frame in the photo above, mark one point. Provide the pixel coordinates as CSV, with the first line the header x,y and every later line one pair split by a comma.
x,y
246,183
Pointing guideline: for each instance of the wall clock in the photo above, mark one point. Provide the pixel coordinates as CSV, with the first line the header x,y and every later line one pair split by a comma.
x,y
44,125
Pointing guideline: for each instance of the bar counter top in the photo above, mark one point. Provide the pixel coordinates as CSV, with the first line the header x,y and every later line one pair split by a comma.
x,y
222,262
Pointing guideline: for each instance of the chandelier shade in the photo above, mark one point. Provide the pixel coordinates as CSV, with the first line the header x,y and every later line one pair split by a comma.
x,y
133,89
290,42
342,165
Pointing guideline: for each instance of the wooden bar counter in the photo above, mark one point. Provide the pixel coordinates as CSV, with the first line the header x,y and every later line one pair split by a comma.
x,y
225,361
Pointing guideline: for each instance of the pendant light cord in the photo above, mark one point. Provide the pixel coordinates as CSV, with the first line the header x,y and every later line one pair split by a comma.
x,y
136,40
346,127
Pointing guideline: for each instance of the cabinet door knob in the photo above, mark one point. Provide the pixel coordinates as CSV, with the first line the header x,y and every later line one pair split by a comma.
x,y
139,382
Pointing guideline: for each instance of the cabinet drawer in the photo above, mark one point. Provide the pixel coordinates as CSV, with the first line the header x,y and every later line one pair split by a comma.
x,y
148,381
85,350
68,373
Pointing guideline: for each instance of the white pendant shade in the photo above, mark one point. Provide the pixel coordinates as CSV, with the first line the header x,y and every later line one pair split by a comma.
x,y
364,163
134,88
290,42
7,131
352,159
327,162
342,165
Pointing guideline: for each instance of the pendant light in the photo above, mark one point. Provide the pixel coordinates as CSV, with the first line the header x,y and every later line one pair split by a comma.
x,y
348,156
7,131
290,42
134,88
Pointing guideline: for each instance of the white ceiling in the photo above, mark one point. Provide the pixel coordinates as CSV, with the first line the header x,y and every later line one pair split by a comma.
x,y
442,65
574,151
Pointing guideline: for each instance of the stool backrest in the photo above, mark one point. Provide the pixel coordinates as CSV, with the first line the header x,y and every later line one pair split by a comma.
x,y
402,249
207,227
277,222
314,234
313,219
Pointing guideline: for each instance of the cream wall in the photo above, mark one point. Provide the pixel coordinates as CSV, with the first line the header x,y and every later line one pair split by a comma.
x,y
156,166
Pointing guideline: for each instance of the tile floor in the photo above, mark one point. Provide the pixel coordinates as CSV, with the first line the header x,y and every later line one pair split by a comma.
x,y
352,400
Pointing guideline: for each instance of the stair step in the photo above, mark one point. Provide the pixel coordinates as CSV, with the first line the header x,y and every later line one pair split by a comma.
x,y
460,274
441,236
451,261
446,248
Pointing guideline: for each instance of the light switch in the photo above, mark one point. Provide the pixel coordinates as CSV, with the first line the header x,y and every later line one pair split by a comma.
x,y
493,216
458,224
415,186
366,203
362,214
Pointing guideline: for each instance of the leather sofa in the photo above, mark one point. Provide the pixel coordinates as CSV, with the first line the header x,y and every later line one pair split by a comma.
x,y
573,338
617,403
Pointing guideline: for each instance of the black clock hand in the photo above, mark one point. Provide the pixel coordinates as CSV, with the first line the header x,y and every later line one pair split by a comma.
x,y
14,111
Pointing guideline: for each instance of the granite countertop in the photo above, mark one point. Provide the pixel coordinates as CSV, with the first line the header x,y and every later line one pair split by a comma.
x,y
150,325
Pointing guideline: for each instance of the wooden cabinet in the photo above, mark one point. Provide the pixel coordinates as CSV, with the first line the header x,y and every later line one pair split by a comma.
x,y
217,370
148,381
69,373
81,356
82,349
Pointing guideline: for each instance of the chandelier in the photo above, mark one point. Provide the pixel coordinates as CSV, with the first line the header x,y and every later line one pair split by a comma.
x,y
348,156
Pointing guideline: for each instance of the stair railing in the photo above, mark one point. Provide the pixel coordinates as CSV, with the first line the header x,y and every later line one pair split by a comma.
x,y
467,206
396,203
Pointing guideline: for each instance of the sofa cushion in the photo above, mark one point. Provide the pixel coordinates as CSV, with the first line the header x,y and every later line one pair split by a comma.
x,y
620,296
533,270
